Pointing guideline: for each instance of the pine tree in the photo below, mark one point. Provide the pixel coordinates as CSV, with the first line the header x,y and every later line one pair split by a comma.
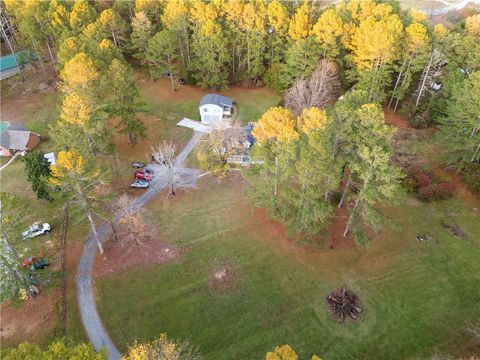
x,y
114,24
81,15
175,19
460,128
277,19
78,177
162,53
141,33
209,65
119,84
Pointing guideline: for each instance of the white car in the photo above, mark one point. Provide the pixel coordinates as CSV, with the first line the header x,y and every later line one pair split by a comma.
x,y
36,230
140,184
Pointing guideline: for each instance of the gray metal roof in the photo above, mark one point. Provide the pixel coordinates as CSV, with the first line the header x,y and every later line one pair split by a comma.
x,y
216,99
16,137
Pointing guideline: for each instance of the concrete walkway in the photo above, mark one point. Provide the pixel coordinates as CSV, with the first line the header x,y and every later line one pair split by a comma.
x,y
9,161
96,332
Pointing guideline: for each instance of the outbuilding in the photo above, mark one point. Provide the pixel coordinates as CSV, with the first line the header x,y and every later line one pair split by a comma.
x,y
213,107
17,139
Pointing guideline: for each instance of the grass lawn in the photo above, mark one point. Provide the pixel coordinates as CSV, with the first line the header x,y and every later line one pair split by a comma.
x,y
416,296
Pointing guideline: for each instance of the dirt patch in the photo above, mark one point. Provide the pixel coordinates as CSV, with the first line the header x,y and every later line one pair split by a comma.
x,y
17,97
221,278
31,321
395,119
119,258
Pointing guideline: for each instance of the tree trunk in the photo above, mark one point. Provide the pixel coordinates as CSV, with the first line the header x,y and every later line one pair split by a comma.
x,y
187,45
345,190
114,231
403,82
248,53
349,223
374,82
150,71
397,82
421,89
52,59
275,189
40,60
94,231
90,145
85,206
171,74
474,156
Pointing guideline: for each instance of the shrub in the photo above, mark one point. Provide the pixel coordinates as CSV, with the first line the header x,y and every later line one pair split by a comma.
x,y
417,177
437,191
471,175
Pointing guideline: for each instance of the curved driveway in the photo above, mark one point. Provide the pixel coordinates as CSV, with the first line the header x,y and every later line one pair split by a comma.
x,y
96,332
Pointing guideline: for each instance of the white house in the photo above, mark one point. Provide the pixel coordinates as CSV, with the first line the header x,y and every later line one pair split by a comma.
x,y
213,107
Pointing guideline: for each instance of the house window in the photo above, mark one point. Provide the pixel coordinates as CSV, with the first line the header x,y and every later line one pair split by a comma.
x,y
205,110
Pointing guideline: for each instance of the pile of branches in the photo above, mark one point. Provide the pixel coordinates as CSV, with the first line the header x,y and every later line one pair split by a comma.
x,y
342,304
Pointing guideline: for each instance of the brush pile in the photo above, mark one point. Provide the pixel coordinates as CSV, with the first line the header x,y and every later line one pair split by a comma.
x,y
343,304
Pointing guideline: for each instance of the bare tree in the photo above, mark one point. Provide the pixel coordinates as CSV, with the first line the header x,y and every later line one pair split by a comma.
x,y
131,221
432,71
320,90
164,155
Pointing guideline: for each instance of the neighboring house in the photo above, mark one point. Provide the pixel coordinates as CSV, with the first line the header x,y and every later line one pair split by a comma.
x,y
242,155
213,107
249,139
17,138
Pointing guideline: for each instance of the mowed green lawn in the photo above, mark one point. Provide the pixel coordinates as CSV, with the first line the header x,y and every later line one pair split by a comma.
x,y
416,297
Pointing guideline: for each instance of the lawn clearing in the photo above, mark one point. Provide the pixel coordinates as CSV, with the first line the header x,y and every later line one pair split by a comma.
x,y
415,296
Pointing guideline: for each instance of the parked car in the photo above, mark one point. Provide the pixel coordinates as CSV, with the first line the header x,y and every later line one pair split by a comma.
x,y
142,175
182,81
137,164
36,230
149,171
140,184
169,74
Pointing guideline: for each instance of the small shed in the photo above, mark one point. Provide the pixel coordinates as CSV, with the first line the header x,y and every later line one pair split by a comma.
x,y
213,107
50,158
17,138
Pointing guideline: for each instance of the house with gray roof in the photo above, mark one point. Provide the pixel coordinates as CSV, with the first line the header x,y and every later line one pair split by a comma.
x,y
16,138
213,107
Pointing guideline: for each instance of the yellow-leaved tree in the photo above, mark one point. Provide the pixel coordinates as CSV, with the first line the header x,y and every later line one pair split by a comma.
x,y
300,24
328,31
375,46
312,119
162,348
285,352
277,124
472,25
175,19
79,73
